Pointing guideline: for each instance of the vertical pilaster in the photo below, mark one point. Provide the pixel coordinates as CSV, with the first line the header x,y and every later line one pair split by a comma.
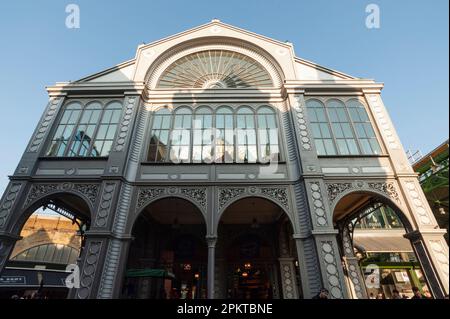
x,y
354,276
432,251
288,279
91,267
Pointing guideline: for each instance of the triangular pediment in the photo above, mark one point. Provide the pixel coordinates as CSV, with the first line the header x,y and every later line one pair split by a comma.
x,y
282,53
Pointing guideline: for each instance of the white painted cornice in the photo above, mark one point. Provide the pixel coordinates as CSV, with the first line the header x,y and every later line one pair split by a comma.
x,y
95,88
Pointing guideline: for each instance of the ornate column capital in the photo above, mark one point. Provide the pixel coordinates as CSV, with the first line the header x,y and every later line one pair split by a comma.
x,y
211,240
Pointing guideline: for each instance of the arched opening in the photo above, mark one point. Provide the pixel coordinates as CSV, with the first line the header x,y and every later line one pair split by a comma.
x,y
371,229
168,256
256,256
52,234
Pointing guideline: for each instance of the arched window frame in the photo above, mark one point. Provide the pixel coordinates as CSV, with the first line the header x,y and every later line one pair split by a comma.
x,y
318,126
351,121
215,113
68,121
204,133
227,148
338,125
373,140
72,150
186,115
268,111
248,115
111,125
166,117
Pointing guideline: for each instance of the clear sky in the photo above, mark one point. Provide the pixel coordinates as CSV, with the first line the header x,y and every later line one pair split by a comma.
x,y
409,52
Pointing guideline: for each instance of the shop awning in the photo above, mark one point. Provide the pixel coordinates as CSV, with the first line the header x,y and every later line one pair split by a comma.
x,y
149,272
378,242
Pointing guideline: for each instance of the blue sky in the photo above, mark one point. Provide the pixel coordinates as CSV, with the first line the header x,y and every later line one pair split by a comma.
x,y
409,53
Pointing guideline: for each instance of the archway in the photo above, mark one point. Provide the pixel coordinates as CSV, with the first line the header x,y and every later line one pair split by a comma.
x,y
255,254
168,256
378,259
52,231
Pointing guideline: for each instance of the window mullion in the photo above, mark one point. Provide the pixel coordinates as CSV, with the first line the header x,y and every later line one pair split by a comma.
x,y
333,137
352,126
191,138
97,127
256,125
169,142
70,140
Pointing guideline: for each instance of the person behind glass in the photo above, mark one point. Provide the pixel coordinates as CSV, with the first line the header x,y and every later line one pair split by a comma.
x,y
427,295
380,295
417,293
396,294
323,294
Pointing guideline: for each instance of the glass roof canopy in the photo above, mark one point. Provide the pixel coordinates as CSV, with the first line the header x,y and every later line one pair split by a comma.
x,y
215,69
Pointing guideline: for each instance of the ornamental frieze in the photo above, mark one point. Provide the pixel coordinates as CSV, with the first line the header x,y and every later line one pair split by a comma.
x,y
337,188
387,188
227,194
276,193
88,191
196,194
147,194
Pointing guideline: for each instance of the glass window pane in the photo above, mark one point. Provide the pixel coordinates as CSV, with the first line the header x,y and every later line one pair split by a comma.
x,y
337,131
329,147
316,130
312,115
320,147
106,148
321,115
369,130
347,130
332,113
325,130
111,132
366,148
375,146
342,147
353,148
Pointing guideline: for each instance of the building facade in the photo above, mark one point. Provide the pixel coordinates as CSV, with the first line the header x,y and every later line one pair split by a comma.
x,y
217,164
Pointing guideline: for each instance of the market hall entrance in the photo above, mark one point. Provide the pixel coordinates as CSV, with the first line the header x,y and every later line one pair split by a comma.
x,y
255,255
168,257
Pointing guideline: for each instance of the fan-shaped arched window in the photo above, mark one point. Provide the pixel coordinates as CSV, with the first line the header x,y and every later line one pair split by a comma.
x,y
215,69
86,131
49,253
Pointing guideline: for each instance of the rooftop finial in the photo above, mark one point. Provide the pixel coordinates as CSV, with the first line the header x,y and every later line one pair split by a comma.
x,y
215,20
